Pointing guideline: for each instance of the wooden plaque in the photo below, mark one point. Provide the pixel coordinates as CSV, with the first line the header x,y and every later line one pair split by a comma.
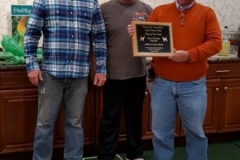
x,y
152,39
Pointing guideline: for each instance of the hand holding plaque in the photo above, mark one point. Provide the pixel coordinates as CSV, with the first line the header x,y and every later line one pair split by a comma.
x,y
152,39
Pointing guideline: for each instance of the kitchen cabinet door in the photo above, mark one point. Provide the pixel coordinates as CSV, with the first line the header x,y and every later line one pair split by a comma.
x,y
18,115
211,120
230,105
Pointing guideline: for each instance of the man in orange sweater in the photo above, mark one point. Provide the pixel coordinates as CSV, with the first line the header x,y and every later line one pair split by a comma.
x,y
180,83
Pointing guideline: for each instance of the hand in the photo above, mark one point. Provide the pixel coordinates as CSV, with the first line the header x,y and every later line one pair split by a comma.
x,y
179,56
99,79
34,76
130,29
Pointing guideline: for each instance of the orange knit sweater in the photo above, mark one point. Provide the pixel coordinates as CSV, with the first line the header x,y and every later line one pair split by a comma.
x,y
200,36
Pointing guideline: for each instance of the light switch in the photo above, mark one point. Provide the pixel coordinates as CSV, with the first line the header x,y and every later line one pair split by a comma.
x,y
22,1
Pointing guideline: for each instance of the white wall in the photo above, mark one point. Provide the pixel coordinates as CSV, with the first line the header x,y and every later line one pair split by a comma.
x,y
227,11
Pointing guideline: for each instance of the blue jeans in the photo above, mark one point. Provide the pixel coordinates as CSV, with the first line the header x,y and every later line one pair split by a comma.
x,y
189,99
51,92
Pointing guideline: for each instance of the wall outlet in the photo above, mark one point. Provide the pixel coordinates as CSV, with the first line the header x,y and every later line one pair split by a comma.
x,y
22,1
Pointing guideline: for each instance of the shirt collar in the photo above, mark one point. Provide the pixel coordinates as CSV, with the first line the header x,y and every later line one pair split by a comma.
x,y
180,8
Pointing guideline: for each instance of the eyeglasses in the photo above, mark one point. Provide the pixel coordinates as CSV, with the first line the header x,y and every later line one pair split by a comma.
x,y
182,21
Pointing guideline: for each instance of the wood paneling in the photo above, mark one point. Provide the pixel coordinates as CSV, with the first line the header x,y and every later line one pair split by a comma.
x,y
18,114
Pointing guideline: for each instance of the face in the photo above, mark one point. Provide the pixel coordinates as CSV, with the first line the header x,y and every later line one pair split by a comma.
x,y
184,3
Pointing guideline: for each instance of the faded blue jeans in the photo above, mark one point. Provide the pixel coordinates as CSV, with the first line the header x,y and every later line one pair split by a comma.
x,y
189,99
51,92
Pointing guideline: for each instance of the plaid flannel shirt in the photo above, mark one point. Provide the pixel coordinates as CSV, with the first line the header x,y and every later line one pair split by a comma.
x,y
69,27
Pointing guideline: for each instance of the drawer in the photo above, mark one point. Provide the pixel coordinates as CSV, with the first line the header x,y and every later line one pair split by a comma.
x,y
14,79
222,70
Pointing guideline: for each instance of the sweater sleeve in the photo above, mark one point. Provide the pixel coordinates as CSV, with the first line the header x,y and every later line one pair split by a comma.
x,y
213,39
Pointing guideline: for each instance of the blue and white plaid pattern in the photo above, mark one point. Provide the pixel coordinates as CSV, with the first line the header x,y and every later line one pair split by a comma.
x,y
68,26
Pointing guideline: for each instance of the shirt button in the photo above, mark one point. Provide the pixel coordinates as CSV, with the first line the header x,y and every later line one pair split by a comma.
x,y
71,12
72,35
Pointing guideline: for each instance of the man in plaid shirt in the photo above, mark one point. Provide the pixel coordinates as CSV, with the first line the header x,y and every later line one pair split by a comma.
x,y
69,28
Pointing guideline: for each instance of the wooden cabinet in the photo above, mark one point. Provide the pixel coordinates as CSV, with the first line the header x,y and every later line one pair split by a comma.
x,y
223,89
18,111
211,121
230,105
18,114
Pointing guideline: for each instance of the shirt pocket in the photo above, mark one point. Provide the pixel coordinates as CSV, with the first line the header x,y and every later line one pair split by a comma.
x,y
84,19
61,18
84,16
57,19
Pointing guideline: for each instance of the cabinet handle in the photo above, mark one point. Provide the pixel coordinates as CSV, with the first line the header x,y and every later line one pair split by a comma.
x,y
225,88
217,89
223,71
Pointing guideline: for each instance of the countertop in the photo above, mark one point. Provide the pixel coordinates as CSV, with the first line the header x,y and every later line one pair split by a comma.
x,y
229,58
22,66
216,58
